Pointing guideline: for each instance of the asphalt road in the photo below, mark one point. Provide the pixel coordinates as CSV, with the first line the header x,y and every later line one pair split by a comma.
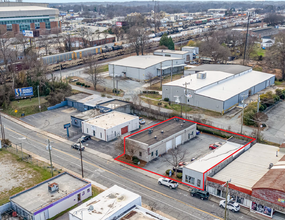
x,y
176,203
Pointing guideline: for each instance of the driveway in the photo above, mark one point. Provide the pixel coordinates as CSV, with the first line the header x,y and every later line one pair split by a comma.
x,y
195,148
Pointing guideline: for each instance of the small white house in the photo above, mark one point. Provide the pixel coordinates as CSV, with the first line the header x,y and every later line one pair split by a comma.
x,y
267,42
194,50
108,126
187,56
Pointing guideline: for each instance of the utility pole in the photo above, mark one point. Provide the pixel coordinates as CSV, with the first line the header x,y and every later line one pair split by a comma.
x,y
258,100
49,150
161,75
186,96
245,46
171,69
113,78
2,127
226,201
39,97
81,160
242,114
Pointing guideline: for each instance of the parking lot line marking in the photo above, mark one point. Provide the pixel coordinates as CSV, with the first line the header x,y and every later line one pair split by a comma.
x,y
141,185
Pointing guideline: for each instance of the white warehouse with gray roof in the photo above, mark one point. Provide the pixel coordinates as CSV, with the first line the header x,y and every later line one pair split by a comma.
x,y
143,68
217,87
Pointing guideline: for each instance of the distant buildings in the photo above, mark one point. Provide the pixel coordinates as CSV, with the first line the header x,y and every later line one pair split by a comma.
x,y
20,18
143,68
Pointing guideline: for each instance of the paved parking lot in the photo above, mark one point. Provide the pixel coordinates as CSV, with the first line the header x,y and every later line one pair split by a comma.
x,y
276,124
53,121
194,148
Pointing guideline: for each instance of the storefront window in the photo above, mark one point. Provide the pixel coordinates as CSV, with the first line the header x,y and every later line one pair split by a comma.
x,y
261,209
240,200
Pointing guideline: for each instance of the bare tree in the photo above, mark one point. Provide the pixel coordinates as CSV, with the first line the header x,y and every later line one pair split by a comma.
x,y
134,38
175,156
149,77
116,30
67,42
105,34
135,98
131,148
98,33
275,56
93,70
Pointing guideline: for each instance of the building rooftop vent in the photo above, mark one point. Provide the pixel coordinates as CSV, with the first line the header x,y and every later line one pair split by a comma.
x,y
53,187
201,75
155,137
162,131
149,131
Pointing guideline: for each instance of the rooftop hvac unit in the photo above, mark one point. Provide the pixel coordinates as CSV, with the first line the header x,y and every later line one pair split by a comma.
x,y
53,187
201,75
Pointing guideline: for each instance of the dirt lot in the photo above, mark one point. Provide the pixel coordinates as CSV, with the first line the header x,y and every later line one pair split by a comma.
x,y
17,175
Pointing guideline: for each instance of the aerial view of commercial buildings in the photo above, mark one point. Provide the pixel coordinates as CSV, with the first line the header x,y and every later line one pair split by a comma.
x,y
142,110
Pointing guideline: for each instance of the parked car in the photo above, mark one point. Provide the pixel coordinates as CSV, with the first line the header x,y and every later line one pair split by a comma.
x,y
182,163
199,194
85,138
142,121
179,169
76,146
232,206
215,145
168,182
197,132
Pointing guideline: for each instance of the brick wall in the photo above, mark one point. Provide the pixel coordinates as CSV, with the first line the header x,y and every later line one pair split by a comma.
x,y
15,28
32,26
271,196
3,29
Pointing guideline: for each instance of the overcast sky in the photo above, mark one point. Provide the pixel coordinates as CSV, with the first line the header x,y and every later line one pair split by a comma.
x,y
66,1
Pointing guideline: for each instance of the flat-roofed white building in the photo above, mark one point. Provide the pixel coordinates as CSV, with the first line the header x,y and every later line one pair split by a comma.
x,y
187,56
143,68
196,172
108,126
217,87
194,50
114,203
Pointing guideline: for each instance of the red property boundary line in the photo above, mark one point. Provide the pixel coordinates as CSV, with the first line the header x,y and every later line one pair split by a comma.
x,y
117,158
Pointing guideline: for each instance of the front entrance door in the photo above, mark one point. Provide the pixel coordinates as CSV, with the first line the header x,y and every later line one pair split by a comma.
x,y
78,197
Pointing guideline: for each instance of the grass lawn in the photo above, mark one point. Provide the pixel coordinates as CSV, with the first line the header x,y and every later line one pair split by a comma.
x,y
103,68
153,96
175,107
26,106
21,175
166,79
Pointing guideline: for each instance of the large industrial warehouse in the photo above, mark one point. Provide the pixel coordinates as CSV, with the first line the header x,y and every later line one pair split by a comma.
x,y
143,68
217,87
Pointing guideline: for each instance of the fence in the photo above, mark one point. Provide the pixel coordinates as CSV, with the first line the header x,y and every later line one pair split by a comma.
x,y
5,210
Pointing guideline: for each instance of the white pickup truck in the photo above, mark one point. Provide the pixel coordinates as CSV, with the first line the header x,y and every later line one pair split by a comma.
x,y
168,182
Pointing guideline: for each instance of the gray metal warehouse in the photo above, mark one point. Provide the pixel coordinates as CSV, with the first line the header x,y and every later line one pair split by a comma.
x,y
149,144
217,87
142,68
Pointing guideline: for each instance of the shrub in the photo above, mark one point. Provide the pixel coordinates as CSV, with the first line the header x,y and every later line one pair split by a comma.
x,y
261,108
179,175
159,103
166,99
165,106
134,158
86,86
167,172
103,95
136,161
280,80
276,98
78,83
82,84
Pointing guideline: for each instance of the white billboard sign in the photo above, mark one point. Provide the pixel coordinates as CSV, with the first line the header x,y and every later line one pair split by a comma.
x,y
28,33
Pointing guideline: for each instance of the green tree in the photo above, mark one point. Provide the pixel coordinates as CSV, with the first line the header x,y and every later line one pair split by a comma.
x,y
166,41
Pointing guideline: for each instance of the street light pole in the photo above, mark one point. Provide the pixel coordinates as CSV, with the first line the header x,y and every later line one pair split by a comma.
x,y
39,97
2,127
242,113
226,201
49,150
81,161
